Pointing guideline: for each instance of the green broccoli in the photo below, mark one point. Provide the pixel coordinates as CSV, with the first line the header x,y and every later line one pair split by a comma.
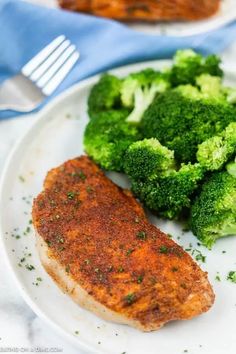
x,y
189,91
231,168
105,95
146,159
169,195
216,151
211,87
231,95
181,119
189,64
139,89
107,137
208,88
213,213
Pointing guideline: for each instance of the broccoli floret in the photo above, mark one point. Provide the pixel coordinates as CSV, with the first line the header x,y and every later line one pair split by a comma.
x,y
181,123
105,95
189,64
147,159
231,168
170,195
132,82
213,153
231,95
211,87
216,151
139,89
213,214
107,137
189,91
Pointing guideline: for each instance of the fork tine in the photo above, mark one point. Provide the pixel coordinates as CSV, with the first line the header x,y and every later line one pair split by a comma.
x,y
49,61
39,58
55,67
61,74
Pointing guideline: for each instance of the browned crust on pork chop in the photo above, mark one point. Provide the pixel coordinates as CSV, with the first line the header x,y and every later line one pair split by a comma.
x,y
96,243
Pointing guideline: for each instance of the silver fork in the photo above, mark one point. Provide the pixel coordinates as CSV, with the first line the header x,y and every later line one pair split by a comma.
x,y
40,77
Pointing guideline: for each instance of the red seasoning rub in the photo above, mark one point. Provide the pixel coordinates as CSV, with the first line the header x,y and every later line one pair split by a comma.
x,y
146,10
97,244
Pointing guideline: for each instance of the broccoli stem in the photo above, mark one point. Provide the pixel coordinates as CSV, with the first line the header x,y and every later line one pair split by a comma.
x,y
142,100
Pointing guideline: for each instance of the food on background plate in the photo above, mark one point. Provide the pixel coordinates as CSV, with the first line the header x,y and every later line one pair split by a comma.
x,y
146,10
169,131
97,244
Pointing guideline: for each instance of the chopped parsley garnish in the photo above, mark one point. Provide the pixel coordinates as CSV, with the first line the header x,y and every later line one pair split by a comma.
x,y
67,269
200,257
139,279
61,240
232,276
89,189
129,251
217,277
142,235
120,269
163,249
82,175
70,195
129,299
49,243
29,267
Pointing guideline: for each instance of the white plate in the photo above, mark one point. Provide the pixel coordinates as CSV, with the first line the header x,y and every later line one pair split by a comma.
x,y
225,15
55,137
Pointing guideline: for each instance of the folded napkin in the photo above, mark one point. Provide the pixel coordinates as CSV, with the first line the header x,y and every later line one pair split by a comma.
x,y
26,28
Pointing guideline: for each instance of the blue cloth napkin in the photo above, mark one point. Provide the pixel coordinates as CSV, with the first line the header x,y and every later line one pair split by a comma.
x,y
26,28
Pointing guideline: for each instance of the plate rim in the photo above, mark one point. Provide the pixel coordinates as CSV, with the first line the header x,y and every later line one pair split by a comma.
x,y
39,117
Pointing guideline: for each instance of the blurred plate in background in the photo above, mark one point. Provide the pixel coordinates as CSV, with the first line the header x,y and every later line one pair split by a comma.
x,y
226,15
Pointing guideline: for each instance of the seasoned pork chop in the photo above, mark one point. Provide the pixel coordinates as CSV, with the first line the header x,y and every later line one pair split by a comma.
x,y
97,244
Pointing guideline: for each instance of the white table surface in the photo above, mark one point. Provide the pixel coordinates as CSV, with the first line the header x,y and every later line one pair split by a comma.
x,y
19,326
